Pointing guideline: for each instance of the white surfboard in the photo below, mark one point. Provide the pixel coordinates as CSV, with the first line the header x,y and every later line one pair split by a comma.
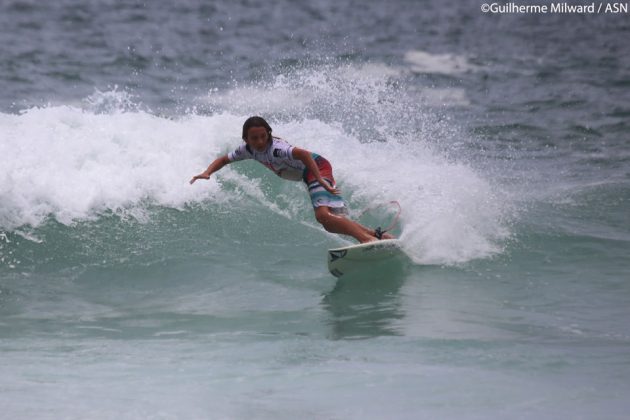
x,y
350,258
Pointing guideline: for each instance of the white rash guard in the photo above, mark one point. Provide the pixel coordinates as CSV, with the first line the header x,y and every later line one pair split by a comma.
x,y
278,157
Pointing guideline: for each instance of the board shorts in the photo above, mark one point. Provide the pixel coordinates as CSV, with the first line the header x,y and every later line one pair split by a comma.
x,y
319,196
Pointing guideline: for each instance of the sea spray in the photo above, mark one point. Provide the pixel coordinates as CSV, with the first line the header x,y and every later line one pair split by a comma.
x,y
73,164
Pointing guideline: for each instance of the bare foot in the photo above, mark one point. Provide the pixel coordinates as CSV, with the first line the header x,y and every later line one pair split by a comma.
x,y
384,235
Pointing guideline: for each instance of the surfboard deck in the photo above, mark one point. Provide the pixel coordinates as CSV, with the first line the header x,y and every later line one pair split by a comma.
x,y
350,258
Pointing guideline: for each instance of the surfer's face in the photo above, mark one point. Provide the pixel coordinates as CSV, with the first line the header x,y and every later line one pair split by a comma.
x,y
257,138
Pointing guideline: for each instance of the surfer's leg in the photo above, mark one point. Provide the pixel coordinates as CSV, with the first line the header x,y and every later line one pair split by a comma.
x,y
330,208
338,224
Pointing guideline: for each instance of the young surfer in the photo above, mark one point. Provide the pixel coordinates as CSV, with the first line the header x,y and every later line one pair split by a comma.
x,y
297,164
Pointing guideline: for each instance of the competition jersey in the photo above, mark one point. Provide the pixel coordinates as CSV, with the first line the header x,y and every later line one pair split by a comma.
x,y
278,157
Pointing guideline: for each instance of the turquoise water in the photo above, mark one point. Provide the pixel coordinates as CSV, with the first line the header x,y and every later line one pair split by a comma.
x,y
126,292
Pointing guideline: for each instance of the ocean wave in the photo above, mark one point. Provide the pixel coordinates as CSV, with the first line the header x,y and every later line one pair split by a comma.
x,y
71,164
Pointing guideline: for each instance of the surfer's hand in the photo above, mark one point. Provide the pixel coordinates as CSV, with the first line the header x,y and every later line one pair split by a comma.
x,y
329,188
200,176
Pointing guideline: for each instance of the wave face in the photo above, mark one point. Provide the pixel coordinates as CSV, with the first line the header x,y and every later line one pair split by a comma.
x,y
72,164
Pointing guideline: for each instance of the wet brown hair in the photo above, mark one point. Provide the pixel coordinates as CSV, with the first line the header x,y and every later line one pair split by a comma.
x,y
255,122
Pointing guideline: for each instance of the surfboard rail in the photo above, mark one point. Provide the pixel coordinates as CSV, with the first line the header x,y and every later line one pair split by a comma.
x,y
346,259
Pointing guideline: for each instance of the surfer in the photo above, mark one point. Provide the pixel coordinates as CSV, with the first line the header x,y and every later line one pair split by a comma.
x,y
297,164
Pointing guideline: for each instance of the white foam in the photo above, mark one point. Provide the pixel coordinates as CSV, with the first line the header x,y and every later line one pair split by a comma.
x,y
307,90
450,213
449,64
73,164
445,97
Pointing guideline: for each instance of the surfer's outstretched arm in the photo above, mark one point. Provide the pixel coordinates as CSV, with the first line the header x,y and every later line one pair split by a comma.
x,y
216,165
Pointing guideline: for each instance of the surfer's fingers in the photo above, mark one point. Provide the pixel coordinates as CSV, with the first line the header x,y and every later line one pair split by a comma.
x,y
330,188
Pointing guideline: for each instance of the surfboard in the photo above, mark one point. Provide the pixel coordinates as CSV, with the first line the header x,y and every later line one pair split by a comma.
x,y
351,258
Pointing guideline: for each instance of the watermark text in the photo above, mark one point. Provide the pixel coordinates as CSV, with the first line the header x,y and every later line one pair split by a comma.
x,y
557,7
